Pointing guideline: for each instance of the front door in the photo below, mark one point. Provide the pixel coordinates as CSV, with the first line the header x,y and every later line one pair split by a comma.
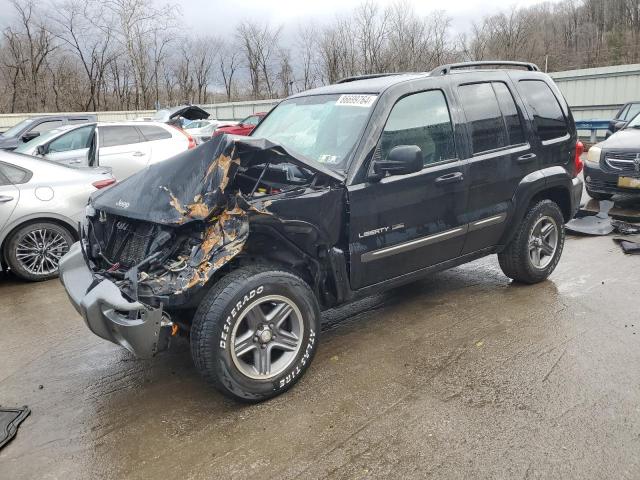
x,y
71,148
404,223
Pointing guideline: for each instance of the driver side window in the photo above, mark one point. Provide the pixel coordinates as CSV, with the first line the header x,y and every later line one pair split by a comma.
x,y
420,119
75,140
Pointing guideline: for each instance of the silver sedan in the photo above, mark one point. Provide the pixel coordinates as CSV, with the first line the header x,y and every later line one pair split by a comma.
x,y
41,203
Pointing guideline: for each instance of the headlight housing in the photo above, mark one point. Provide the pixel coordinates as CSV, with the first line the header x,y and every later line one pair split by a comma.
x,y
593,157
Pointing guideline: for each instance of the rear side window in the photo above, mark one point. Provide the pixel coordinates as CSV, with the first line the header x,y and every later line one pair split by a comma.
x,y
118,135
420,119
545,109
151,132
13,174
484,118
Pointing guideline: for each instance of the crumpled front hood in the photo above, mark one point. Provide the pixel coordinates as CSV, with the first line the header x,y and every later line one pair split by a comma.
x,y
192,185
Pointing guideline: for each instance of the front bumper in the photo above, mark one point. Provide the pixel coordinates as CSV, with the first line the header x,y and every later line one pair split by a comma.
x,y
603,182
133,325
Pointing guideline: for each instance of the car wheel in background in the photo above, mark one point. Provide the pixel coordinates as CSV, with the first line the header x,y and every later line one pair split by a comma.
x,y
33,251
535,250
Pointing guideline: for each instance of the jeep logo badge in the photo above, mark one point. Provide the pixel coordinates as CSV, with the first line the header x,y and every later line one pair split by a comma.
x,y
122,204
636,163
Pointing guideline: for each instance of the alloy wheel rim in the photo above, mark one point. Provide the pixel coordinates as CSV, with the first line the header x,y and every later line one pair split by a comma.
x,y
543,242
39,251
267,337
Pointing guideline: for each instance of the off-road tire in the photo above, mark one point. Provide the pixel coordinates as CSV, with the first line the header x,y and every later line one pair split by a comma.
x,y
224,306
599,196
515,261
14,239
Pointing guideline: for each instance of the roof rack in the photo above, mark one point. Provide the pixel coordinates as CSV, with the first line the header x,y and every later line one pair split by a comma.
x,y
446,69
366,77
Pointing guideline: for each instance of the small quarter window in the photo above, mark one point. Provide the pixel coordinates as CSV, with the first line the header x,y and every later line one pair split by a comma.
x,y
545,109
420,119
13,174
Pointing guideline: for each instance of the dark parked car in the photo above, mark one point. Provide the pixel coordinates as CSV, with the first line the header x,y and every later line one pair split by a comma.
x,y
626,113
613,166
32,127
340,192
178,116
244,126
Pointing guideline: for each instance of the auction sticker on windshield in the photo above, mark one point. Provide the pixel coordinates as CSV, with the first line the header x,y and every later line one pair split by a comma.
x,y
356,100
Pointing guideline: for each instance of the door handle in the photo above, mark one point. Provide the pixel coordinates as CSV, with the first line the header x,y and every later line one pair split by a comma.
x,y
527,157
5,198
138,154
450,178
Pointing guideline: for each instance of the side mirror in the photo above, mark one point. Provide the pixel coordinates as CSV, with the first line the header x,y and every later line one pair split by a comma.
x,y
29,136
401,160
618,125
41,150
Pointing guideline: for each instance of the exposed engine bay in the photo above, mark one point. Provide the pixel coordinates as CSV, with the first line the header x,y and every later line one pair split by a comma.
x,y
168,229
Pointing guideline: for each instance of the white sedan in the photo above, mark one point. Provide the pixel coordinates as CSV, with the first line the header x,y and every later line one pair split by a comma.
x,y
125,147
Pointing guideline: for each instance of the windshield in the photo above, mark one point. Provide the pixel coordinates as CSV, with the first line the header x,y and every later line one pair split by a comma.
x,y
324,128
635,122
39,140
16,129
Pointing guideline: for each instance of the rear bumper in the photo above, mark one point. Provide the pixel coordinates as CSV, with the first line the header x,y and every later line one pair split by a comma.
x,y
133,325
576,195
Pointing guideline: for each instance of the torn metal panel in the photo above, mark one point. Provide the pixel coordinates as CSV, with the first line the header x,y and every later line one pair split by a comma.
x,y
185,218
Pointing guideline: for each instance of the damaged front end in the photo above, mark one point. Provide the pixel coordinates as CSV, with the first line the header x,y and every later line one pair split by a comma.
x,y
161,235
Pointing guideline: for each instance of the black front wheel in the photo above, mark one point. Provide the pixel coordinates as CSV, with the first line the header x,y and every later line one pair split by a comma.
x,y
255,332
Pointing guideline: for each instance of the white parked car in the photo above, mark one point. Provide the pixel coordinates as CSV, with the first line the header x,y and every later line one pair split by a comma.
x,y
125,147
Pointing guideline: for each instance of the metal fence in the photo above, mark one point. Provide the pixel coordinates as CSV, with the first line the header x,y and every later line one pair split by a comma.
x,y
221,111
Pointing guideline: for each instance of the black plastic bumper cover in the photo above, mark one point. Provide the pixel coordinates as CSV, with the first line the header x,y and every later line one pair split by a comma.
x,y
133,325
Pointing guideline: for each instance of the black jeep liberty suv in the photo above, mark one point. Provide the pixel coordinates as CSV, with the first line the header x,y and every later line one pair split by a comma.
x,y
340,192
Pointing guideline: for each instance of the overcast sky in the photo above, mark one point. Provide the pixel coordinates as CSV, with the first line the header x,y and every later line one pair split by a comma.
x,y
222,15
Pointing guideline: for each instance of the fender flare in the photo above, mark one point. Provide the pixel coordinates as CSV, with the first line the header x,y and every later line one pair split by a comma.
x,y
531,185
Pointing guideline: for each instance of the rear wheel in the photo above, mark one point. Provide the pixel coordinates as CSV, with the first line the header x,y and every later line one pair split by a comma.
x,y
34,251
255,333
599,196
535,251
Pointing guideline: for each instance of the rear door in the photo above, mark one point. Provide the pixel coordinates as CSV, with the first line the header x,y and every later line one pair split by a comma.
x,y
9,193
123,149
552,121
500,156
404,223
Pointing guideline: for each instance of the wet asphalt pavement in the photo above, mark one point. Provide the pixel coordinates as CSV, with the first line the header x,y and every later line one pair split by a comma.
x,y
463,375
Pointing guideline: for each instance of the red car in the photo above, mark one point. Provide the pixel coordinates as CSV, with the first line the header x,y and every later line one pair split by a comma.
x,y
244,127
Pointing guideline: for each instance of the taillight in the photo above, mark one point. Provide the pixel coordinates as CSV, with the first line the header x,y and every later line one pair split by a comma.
x,y
578,165
192,142
104,183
